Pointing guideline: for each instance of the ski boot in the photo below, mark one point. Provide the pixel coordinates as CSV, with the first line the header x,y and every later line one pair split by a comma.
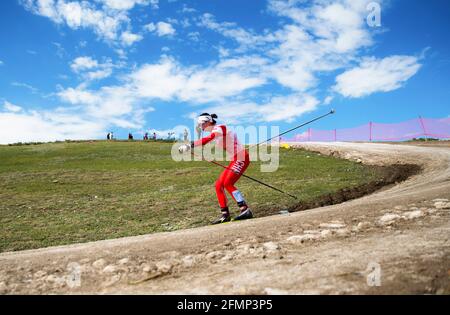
x,y
225,217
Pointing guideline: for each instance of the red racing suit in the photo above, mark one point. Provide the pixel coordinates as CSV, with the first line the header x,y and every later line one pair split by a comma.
x,y
227,140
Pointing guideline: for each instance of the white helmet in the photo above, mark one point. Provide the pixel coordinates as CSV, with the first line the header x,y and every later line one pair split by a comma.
x,y
204,118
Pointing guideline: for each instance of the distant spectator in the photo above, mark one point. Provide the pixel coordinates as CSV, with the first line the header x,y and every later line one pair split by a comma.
x,y
154,136
199,132
130,136
186,135
146,136
108,136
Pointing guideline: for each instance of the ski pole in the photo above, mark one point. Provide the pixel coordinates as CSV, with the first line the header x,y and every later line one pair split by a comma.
x,y
251,178
295,128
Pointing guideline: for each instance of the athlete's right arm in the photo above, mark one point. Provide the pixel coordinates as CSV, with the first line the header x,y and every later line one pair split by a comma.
x,y
203,141
185,147
216,132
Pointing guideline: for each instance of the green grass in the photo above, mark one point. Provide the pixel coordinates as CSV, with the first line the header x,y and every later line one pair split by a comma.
x,y
62,193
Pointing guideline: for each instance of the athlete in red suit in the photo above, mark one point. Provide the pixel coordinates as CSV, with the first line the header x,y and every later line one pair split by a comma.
x,y
227,140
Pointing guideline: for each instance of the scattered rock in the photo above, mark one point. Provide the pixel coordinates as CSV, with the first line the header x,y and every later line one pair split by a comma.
x,y
227,257
110,269
244,248
148,267
442,205
40,274
271,246
325,233
52,279
124,261
363,225
440,200
413,214
270,291
3,288
343,232
388,219
312,232
332,225
188,261
111,281
299,239
214,255
164,267
99,263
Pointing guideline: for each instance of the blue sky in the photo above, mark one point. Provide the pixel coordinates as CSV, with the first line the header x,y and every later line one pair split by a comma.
x,y
74,69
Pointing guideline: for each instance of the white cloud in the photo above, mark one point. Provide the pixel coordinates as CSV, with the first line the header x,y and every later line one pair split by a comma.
x,y
91,115
187,9
328,100
83,63
112,104
1,63
32,89
321,36
106,21
160,28
162,80
377,75
125,105
246,39
99,74
60,51
194,36
279,108
127,4
90,69
79,96
128,38
11,107
151,27
167,80
324,37
46,126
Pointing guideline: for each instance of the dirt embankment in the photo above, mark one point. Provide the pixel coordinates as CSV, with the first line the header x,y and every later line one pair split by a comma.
x,y
392,174
395,240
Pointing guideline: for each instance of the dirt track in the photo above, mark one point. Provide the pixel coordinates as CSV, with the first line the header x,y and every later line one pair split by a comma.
x,y
399,233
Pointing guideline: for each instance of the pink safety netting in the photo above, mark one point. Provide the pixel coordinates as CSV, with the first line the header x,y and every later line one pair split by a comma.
x,y
407,130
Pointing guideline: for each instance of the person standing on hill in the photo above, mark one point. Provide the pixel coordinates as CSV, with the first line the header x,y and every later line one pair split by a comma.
x,y
227,140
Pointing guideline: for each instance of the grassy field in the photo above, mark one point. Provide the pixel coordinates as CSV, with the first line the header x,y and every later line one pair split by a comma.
x,y
62,193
